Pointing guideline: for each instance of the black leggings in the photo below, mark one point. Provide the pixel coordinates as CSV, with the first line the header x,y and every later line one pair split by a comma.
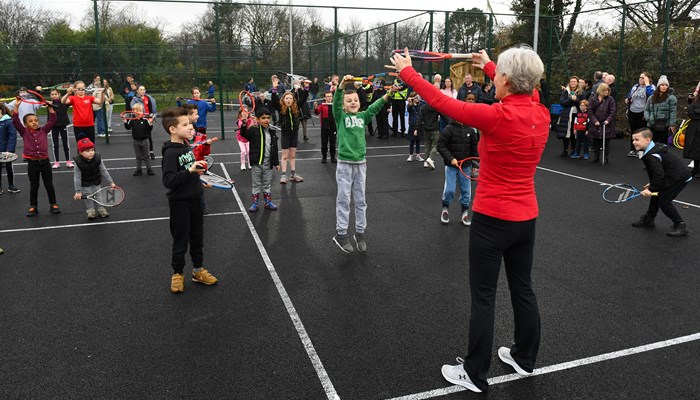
x,y
35,169
492,240
10,174
63,133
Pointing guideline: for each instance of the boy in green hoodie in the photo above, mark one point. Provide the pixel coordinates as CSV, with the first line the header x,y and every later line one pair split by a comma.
x,y
351,173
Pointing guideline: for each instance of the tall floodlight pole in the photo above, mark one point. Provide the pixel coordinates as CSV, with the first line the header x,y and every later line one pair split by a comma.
x,y
291,44
537,25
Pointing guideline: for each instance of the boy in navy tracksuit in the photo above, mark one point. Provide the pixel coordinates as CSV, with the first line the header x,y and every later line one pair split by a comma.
x,y
181,177
668,176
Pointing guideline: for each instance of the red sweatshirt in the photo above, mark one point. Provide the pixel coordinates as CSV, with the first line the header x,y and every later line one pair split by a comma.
x,y
514,134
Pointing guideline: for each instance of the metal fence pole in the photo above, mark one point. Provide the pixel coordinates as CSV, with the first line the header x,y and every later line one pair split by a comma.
x,y
100,68
667,22
218,68
549,63
367,53
430,43
446,44
621,47
489,40
335,40
395,35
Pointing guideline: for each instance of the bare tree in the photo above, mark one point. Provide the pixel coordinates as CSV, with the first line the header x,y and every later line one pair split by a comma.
x,y
653,13
21,24
353,40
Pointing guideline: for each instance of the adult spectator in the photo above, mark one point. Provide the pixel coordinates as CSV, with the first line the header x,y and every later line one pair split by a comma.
x,y
610,81
109,103
636,100
211,92
314,88
469,86
587,88
514,133
448,90
691,148
126,92
250,86
398,108
437,81
597,80
660,111
94,89
601,125
488,93
569,99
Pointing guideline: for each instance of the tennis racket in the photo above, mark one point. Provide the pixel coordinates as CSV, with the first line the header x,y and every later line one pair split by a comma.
x,y
245,100
33,97
468,162
61,86
6,156
134,115
107,196
193,99
216,181
622,192
433,55
679,137
209,160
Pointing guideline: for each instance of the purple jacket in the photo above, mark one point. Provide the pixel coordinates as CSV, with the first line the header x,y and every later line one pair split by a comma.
x,y
600,112
36,144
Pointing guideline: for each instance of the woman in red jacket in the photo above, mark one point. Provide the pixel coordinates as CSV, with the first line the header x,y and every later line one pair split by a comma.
x,y
514,134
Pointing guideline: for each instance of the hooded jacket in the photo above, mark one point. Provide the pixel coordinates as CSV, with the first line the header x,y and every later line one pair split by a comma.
x,y
664,169
181,183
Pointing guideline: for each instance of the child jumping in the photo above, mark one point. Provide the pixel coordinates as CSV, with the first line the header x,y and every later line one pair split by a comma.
x,y
263,150
36,153
181,178
351,172
88,175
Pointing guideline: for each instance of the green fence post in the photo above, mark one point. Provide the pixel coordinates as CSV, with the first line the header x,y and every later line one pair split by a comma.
x,y
100,68
395,36
489,40
549,63
430,43
367,53
335,40
218,68
622,43
446,48
667,22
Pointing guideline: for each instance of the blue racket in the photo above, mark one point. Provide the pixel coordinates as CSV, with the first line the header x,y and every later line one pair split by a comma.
x,y
622,192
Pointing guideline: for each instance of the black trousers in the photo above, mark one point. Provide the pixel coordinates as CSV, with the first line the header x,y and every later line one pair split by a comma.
x,y
636,121
382,123
10,173
664,201
327,137
660,136
398,111
63,133
36,169
490,241
187,228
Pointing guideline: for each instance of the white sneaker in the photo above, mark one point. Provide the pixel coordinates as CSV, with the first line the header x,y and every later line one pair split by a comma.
x,y
243,167
419,158
465,218
430,163
445,215
425,164
56,165
504,355
456,374
410,158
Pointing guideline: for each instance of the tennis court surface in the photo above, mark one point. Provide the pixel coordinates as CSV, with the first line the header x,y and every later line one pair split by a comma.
x,y
87,312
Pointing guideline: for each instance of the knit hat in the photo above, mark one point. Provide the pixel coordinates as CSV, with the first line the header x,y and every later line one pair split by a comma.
x,y
663,80
85,144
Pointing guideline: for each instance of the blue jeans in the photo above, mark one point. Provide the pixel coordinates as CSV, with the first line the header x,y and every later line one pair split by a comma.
x,y
99,122
452,176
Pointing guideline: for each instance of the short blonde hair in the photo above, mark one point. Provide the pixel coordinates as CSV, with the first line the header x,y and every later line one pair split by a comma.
x,y
601,88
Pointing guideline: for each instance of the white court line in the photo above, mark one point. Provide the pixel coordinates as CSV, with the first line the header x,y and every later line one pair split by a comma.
x,y
558,367
291,310
604,183
89,224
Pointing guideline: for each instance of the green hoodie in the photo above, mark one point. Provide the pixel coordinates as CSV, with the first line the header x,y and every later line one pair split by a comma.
x,y
352,146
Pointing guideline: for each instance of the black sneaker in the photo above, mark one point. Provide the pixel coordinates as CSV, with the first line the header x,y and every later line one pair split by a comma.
x,y
150,172
323,160
343,243
32,211
153,156
360,241
678,230
138,172
644,222
13,189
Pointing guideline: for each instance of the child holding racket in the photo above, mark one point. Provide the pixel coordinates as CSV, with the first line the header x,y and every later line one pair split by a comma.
x,y
140,133
668,176
201,146
263,148
328,128
290,117
36,153
181,178
88,175
8,142
203,107
83,115
351,172
243,144
60,130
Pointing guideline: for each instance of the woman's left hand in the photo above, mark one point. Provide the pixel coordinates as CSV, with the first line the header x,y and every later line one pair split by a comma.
x,y
400,61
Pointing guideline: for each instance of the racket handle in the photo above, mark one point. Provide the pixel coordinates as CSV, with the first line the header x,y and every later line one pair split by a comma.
x,y
83,197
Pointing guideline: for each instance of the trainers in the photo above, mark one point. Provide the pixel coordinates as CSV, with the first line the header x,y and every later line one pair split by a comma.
x,y
56,165
586,156
153,156
504,355
69,164
1,192
138,172
283,179
243,167
91,214
425,164
456,375
430,162
360,242
13,189
296,178
410,158
203,276
465,218
445,215
419,158
55,209
334,160
644,222
632,153
150,172
102,212
32,211
343,243
575,155
678,230
177,283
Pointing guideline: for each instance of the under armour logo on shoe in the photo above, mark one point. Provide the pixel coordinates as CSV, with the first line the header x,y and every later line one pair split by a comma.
x,y
463,377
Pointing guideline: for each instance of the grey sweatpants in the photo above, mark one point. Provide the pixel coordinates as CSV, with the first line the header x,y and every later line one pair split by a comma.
x,y
142,153
351,180
89,204
262,178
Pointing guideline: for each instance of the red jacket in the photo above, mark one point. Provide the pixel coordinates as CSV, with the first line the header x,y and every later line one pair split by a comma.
x,y
514,134
200,147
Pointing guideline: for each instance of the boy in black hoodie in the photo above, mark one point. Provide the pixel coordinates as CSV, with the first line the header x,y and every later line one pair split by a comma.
x,y
181,177
668,176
